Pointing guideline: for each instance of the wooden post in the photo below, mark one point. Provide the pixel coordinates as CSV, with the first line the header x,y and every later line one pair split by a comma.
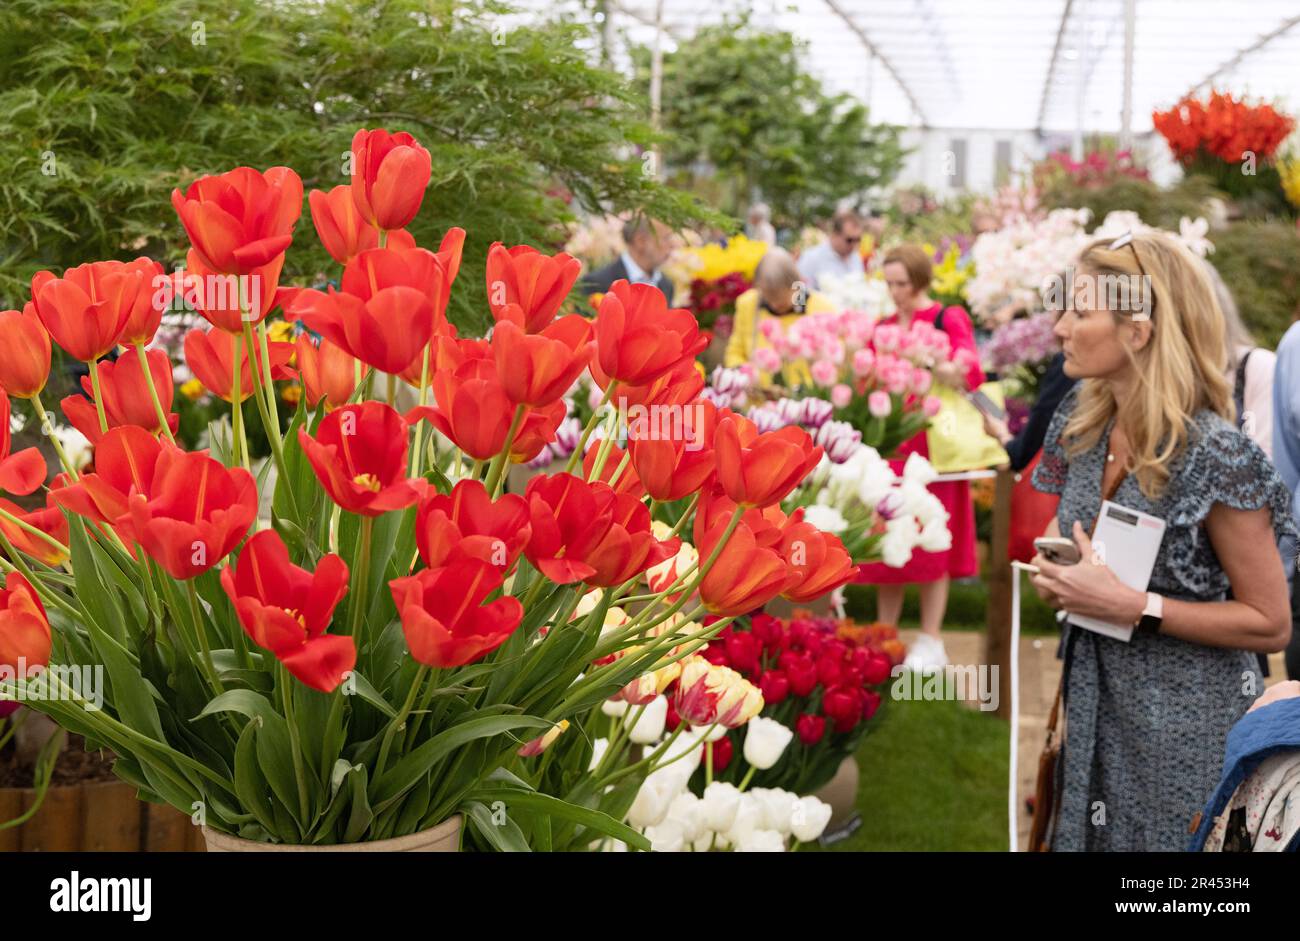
x,y
997,639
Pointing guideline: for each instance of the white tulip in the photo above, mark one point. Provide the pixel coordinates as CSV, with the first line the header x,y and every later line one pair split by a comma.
x,y
749,817
776,806
762,841
649,724
809,819
655,797
900,539
613,707
826,518
918,469
719,806
687,811
876,481
666,837
598,749
710,733
765,742
935,536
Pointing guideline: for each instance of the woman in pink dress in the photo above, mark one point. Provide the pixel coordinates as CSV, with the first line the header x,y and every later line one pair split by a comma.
x,y
908,274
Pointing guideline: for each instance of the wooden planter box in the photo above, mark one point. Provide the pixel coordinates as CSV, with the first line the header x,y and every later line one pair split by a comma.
x,y
103,816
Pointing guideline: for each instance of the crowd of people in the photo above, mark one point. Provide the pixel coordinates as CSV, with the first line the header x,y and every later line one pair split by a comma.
x,y
1169,408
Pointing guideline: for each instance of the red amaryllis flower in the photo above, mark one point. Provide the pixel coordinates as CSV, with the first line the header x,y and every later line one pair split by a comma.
x,y
843,706
569,517
87,310
229,301
210,355
342,230
628,547
627,482
387,331
673,457
125,459
24,627
526,287
49,519
744,576
443,616
359,456
240,220
819,558
127,400
285,609
638,339
469,522
811,729
23,472
389,175
328,371
537,369
194,513
25,365
760,469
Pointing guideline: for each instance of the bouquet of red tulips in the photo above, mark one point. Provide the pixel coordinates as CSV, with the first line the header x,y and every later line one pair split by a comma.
x,y
365,636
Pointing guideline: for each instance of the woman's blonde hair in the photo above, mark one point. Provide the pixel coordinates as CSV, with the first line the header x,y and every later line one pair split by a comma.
x,y
1179,372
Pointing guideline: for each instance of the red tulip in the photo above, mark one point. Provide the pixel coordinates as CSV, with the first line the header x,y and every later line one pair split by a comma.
x,y
443,616
387,331
211,357
147,311
744,576
127,400
342,230
627,483
760,469
870,703
675,461
25,365
820,559
628,547
767,524
23,472
537,431
638,339
125,459
389,175
328,371
285,609
679,386
829,672
359,456
802,671
473,409
843,706
722,753
811,729
743,650
194,513
775,686
87,310
24,627
537,369
49,519
569,517
876,670
229,301
768,630
526,287
240,220
468,522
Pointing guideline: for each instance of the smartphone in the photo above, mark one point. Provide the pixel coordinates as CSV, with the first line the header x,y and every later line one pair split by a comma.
x,y
986,405
1057,549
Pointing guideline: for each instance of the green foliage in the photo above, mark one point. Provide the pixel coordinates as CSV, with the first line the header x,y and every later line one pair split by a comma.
x,y
1260,263
110,104
1158,207
741,99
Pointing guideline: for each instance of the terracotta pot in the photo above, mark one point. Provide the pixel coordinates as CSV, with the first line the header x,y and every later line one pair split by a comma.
x,y
444,838
841,792
104,816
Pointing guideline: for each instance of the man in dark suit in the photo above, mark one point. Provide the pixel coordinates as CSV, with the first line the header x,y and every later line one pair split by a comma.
x,y
649,243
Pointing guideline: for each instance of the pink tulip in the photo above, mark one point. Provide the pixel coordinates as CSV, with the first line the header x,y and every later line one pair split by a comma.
x,y
879,404
842,395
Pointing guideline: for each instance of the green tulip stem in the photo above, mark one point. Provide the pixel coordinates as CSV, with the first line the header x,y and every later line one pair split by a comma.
x,y
361,576
99,395
496,472
153,392
417,453
47,426
238,441
399,720
576,458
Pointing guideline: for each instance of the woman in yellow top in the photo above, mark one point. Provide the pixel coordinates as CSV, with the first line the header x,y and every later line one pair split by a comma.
x,y
779,291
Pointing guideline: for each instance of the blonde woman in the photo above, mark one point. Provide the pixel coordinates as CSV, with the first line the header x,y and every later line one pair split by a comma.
x,y
1150,426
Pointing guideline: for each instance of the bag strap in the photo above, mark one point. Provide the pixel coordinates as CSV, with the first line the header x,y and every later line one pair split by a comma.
x,y
938,320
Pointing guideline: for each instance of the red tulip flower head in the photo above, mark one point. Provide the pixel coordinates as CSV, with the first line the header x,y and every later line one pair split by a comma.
x,y
88,309
285,609
760,469
443,616
537,369
342,230
24,627
744,576
570,517
240,220
211,357
328,371
23,472
127,400
820,559
359,456
125,459
25,365
526,287
628,547
674,461
390,173
467,522
638,339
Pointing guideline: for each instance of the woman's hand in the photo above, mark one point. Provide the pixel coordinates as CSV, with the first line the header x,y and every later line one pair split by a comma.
x,y
996,429
1089,588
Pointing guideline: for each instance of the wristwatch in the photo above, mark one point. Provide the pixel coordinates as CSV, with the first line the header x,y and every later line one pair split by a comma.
x,y
1152,614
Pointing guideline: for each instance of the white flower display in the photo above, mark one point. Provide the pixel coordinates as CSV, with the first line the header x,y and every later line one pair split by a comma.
x,y
808,822
765,742
719,806
826,518
648,726
762,841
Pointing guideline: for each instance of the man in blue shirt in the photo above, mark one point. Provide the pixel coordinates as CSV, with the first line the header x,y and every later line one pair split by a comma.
x,y
1286,457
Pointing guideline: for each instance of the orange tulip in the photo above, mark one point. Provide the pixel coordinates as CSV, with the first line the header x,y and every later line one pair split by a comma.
x,y
537,369
211,357
49,519
229,301
760,469
745,576
127,400
240,220
23,472
24,626
820,560
389,176
125,459
25,364
342,230
88,309
526,287
388,331
675,462
638,339
328,371
628,482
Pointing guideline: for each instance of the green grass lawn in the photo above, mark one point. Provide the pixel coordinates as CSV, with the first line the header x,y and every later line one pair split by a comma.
x,y
934,777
